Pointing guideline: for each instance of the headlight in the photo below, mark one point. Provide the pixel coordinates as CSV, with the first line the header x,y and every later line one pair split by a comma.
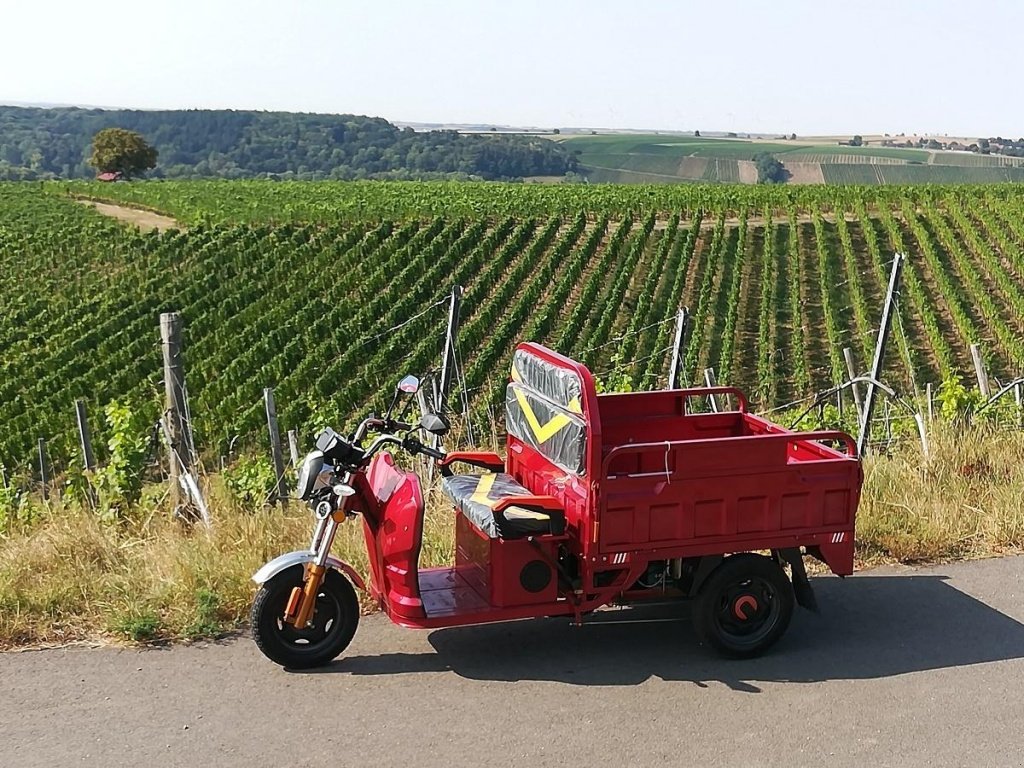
x,y
311,467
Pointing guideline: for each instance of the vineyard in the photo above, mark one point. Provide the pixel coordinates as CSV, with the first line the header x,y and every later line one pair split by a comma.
x,y
328,291
664,158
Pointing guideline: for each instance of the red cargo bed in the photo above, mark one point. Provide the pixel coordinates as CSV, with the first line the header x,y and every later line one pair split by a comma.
x,y
704,483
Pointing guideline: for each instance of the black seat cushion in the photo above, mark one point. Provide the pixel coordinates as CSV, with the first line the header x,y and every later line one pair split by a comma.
x,y
476,495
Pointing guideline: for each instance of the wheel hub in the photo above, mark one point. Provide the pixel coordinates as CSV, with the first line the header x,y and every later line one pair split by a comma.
x,y
745,607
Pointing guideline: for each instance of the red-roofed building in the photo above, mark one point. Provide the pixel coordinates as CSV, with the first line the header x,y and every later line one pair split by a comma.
x,y
110,176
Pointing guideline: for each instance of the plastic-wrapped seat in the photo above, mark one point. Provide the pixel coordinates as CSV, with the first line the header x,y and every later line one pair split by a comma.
x,y
477,495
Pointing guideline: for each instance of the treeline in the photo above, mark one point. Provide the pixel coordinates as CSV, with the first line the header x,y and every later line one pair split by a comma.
x,y
54,143
995,145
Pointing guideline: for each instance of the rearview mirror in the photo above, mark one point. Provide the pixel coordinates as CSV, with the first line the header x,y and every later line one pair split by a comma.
x,y
435,424
409,385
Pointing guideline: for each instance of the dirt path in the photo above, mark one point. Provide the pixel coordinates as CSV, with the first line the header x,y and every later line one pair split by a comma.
x,y
901,668
147,221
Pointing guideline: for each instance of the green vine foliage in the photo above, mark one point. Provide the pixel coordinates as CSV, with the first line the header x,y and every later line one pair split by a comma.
x,y
119,482
17,509
957,402
250,480
619,379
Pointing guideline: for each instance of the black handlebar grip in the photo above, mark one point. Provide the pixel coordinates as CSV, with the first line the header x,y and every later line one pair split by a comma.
x,y
416,446
433,453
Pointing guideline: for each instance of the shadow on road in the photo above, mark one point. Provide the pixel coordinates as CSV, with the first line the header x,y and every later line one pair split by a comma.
x,y
870,627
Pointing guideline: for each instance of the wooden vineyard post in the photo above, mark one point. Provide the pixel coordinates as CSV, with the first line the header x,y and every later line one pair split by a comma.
x,y
876,364
449,362
176,428
851,371
293,447
682,321
44,474
85,442
919,420
980,372
709,380
280,487
84,438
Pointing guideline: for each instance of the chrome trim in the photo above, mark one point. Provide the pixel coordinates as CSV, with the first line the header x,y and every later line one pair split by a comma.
x,y
318,533
283,562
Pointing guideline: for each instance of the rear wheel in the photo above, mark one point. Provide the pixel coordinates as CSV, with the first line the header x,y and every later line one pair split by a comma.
x,y
329,632
744,607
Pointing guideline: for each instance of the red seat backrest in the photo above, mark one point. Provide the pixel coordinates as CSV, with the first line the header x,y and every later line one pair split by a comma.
x,y
550,414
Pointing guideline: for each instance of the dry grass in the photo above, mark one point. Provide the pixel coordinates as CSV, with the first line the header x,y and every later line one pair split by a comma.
x,y
70,577
965,500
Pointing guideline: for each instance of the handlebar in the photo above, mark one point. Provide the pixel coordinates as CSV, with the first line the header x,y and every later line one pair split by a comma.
x,y
382,425
415,446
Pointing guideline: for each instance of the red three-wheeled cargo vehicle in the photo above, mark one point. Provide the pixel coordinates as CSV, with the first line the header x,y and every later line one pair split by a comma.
x,y
600,499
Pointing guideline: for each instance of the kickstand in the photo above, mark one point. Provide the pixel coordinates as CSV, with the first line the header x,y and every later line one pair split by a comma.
x,y
801,584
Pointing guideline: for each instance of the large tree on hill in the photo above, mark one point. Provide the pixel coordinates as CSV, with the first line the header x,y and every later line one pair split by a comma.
x,y
120,150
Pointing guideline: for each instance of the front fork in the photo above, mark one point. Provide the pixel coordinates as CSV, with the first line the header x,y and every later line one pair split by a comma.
x,y
302,601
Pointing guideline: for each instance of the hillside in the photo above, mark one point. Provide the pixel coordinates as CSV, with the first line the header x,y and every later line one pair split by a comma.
x,y
40,143
676,158
332,302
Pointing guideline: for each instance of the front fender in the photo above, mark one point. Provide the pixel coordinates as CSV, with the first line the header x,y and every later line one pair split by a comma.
x,y
283,562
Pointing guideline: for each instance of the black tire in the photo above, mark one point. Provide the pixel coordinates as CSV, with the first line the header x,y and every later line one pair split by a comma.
x,y
334,622
744,607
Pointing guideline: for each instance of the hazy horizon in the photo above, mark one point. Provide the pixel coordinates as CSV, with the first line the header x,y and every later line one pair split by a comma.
x,y
791,67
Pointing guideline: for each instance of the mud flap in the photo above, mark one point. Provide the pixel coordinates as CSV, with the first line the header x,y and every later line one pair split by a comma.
x,y
801,584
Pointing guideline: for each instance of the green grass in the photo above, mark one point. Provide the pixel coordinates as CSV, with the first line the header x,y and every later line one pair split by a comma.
x,y
618,176
887,153
656,158
850,173
669,147
975,161
949,174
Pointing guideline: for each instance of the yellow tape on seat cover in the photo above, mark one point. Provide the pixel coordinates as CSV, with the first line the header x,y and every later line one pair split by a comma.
x,y
483,488
574,404
543,432
481,496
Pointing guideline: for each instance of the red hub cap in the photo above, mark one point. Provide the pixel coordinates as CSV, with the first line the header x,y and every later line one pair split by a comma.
x,y
745,607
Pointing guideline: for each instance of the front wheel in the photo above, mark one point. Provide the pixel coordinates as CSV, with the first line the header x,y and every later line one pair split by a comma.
x,y
744,606
331,629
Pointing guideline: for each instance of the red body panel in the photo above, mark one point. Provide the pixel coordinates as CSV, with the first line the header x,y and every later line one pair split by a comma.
x,y
493,566
393,527
660,482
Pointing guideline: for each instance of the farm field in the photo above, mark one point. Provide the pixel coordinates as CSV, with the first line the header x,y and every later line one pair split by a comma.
x,y
328,291
657,158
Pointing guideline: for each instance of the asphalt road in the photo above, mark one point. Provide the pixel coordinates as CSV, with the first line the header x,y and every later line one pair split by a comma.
x,y
903,668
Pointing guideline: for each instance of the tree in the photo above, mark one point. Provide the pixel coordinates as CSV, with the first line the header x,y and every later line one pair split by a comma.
x,y
120,150
696,134
769,169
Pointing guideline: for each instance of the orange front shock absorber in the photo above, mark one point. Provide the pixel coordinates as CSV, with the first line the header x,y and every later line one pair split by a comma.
x,y
305,597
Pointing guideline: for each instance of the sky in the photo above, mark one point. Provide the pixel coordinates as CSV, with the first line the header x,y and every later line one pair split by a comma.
x,y
820,67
